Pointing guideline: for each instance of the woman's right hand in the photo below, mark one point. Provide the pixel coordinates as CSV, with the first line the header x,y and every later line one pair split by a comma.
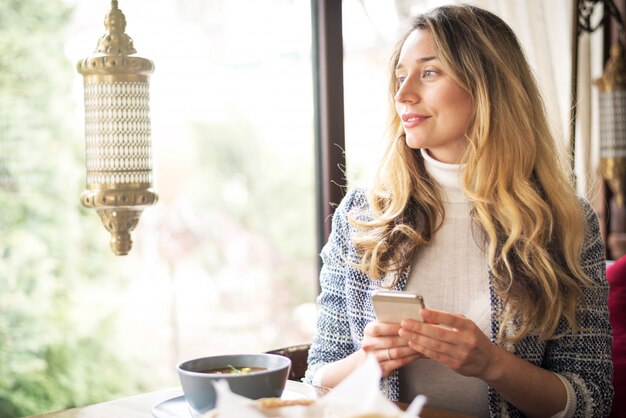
x,y
391,350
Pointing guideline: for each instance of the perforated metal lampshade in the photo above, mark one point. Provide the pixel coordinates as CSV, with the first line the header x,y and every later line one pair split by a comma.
x,y
117,132
612,114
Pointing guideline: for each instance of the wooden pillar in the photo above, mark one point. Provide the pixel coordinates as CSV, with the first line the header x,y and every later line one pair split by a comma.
x,y
329,111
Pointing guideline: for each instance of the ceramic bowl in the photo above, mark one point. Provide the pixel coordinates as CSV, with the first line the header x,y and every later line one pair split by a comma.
x,y
198,385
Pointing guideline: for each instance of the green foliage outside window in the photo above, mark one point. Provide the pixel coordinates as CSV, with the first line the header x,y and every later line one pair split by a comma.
x,y
238,223
52,355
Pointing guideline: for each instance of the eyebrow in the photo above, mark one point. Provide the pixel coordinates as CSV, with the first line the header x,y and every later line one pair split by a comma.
x,y
424,59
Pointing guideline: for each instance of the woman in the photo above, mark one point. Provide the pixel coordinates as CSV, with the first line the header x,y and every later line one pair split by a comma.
x,y
470,208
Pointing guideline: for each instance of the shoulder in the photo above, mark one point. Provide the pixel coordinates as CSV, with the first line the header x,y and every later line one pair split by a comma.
x,y
586,208
355,199
592,224
593,257
354,203
592,230
352,206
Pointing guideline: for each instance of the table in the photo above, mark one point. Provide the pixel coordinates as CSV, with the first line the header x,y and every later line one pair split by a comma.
x,y
140,406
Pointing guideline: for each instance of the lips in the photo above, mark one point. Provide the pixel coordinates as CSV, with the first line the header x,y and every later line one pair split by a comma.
x,y
413,119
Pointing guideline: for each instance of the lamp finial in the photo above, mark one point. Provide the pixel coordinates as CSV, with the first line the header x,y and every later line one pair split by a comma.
x,y
115,40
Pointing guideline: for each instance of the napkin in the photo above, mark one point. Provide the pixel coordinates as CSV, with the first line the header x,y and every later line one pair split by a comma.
x,y
358,395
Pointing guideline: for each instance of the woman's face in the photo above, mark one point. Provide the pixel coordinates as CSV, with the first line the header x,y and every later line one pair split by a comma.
x,y
435,111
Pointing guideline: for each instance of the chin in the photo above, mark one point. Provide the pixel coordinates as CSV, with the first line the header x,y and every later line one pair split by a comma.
x,y
414,144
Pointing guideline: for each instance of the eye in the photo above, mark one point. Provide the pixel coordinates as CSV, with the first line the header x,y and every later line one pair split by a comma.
x,y
400,80
428,73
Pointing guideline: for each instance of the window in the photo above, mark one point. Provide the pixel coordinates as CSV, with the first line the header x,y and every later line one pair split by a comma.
x,y
226,260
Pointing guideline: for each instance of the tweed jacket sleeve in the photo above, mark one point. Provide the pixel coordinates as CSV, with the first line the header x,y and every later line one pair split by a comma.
x,y
332,340
584,359
344,303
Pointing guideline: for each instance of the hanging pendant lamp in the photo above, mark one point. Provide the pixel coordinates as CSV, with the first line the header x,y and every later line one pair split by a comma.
x,y
117,132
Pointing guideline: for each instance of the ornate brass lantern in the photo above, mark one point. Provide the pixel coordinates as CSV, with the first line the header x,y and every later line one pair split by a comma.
x,y
117,132
612,87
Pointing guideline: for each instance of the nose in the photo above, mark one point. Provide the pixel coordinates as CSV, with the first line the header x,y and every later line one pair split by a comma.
x,y
408,92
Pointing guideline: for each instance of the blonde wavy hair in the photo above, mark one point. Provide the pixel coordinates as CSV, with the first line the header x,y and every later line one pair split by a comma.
x,y
532,222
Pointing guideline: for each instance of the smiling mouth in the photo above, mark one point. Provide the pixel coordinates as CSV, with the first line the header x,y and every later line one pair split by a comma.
x,y
407,117
411,119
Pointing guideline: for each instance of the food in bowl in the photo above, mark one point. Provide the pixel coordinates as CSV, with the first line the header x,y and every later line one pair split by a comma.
x,y
270,403
198,387
230,369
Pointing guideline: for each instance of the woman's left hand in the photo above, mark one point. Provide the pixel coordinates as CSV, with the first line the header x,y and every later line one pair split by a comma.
x,y
452,340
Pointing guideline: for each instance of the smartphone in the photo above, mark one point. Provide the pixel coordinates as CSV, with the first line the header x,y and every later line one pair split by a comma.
x,y
394,306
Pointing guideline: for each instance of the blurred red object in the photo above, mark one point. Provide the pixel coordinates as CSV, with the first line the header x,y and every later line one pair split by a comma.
x,y
616,276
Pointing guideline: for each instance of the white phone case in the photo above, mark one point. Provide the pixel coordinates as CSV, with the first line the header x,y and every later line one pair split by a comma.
x,y
394,306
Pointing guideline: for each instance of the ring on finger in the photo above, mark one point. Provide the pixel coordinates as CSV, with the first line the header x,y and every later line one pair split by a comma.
x,y
388,354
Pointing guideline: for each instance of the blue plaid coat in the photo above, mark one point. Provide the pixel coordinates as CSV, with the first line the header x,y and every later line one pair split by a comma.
x,y
345,308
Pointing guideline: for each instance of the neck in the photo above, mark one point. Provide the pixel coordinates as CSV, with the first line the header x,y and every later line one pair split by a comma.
x,y
447,175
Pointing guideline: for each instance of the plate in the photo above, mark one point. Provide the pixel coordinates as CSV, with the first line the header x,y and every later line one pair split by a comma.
x,y
177,406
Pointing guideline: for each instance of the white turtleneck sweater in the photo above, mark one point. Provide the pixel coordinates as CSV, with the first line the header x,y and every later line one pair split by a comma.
x,y
451,274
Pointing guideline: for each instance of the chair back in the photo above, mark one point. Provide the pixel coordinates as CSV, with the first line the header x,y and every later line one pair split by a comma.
x,y
298,355
616,276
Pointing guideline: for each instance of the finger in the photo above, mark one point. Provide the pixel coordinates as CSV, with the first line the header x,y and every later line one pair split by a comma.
x,y
412,328
427,345
383,355
401,352
393,354
381,329
377,343
438,356
435,316
388,367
